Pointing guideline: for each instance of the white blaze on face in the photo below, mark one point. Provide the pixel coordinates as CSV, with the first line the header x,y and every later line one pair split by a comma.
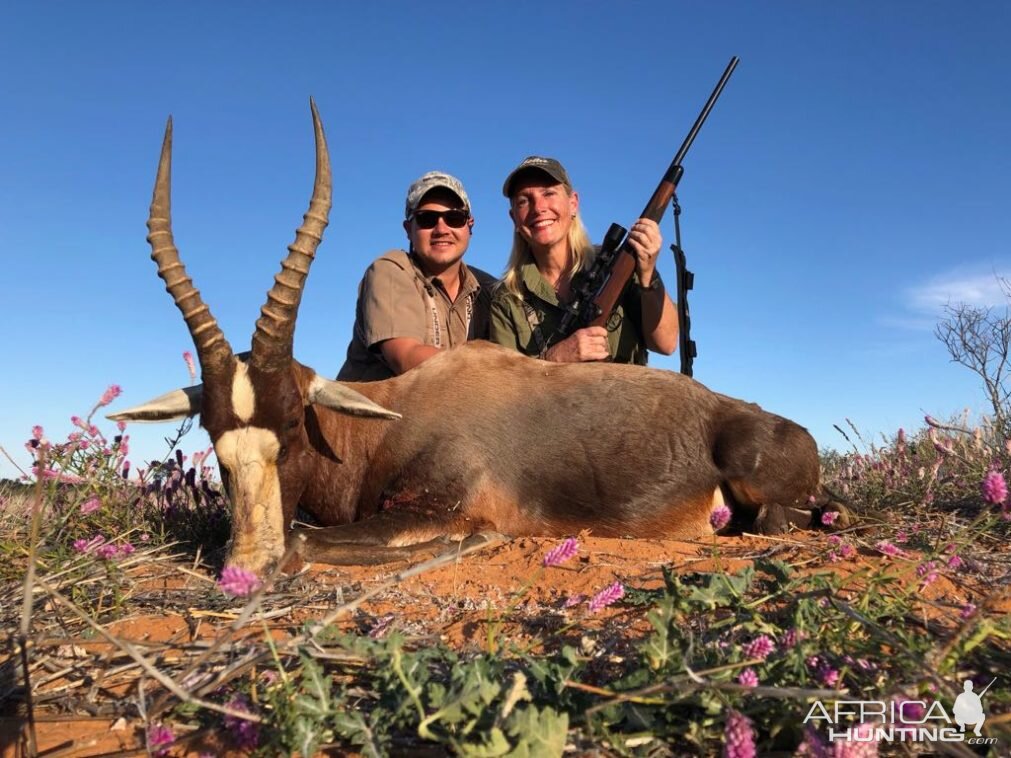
x,y
243,396
250,457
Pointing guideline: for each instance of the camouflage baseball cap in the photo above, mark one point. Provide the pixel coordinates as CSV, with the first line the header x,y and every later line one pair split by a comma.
x,y
430,181
548,166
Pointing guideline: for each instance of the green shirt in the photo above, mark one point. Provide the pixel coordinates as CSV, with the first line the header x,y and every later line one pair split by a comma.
x,y
513,326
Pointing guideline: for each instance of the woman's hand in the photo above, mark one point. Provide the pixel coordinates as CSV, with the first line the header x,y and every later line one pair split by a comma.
x,y
587,344
645,240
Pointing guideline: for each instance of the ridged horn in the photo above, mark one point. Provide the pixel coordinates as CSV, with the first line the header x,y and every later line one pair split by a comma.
x,y
275,329
212,347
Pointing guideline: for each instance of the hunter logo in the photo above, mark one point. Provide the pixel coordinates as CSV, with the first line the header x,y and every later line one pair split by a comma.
x,y
904,720
968,708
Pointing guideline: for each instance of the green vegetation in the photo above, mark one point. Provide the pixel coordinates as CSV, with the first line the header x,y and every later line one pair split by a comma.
x,y
901,608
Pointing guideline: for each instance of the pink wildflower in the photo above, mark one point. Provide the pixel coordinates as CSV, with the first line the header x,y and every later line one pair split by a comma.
x,y
719,517
90,506
829,517
812,745
911,711
245,733
562,552
607,596
86,546
760,647
994,488
887,548
792,637
107,552
927,571
37,433
967,611
944,447
190,366
748,678
863,746
121,425
574,600
380,626
954,562
238,582
159,737
110,394
738,737
48,473
829,676
931,421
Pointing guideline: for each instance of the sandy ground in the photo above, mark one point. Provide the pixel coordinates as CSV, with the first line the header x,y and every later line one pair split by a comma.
x,y
451,604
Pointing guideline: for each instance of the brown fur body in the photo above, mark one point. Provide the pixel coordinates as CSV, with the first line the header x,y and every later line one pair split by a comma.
x,y
494,440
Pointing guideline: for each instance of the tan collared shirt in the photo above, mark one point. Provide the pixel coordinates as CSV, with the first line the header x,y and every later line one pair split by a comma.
x,y
397,299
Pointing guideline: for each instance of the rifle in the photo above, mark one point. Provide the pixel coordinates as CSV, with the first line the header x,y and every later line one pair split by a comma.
x,y
603,283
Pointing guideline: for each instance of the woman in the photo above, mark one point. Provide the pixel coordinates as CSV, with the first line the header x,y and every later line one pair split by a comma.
x,y
550,250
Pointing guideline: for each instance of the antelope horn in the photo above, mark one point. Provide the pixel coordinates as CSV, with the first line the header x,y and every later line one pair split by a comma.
x,y
275,329
212,347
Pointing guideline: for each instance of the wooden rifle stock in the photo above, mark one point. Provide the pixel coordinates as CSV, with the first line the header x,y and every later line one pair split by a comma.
x,y
606,298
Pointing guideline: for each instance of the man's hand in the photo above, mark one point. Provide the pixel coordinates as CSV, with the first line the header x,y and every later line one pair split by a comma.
x,y
587,344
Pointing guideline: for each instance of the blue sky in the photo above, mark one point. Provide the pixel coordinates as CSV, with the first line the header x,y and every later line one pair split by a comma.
x,y
848,183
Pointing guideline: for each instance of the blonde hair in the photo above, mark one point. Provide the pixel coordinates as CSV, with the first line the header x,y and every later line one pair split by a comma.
x,y
579,245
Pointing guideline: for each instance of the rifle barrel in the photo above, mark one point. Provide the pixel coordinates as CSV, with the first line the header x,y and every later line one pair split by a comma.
x,y
980,695
658,203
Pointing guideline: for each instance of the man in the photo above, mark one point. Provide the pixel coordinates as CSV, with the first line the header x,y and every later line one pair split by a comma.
x,y
413,304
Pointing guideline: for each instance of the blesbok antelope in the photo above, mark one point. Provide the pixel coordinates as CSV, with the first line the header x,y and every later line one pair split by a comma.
x,y
488,439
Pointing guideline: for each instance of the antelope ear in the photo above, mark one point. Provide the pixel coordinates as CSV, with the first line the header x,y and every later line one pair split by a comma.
x,y
336,396
171,406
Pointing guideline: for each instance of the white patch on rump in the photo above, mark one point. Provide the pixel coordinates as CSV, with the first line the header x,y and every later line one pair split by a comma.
x,y
243,396
250,457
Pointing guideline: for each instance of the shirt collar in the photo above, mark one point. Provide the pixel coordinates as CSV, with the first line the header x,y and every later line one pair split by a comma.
x,y
468,282
537,284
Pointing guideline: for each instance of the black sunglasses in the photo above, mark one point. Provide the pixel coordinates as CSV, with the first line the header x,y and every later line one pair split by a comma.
x,y
453,218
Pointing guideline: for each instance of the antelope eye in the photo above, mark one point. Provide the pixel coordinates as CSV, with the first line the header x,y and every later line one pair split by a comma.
x,y
293,424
